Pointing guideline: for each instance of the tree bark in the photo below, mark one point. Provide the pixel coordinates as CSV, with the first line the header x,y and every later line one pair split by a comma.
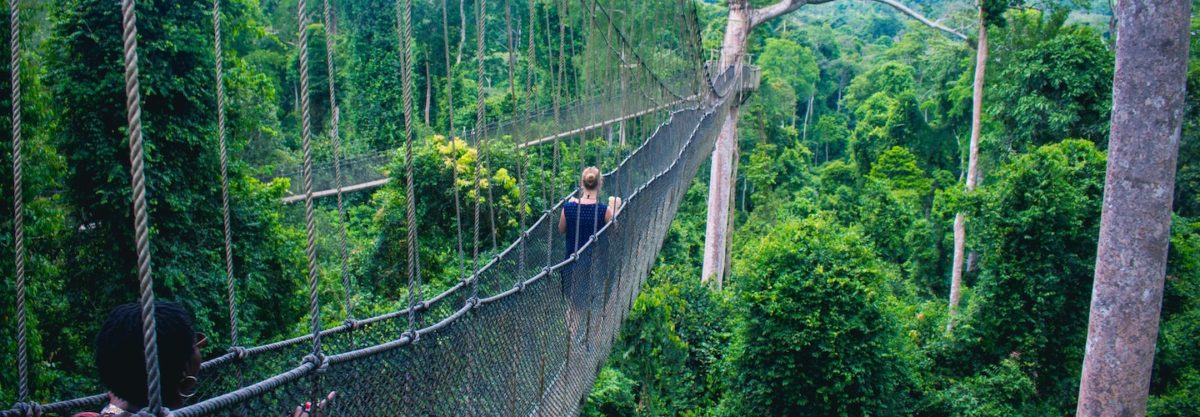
x,y
1135,223
733,48
960,227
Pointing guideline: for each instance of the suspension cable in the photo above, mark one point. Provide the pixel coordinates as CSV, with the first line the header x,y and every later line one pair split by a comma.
x,y
480,130
230,288
335,137
519,131
404,21
453,140
310,224
14,43
133,107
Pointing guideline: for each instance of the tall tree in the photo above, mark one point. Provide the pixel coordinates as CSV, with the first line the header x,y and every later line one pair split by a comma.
x,y
743,18
1148,108
960,222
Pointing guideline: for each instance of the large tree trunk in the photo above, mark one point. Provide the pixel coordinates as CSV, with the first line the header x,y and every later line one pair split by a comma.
x,y
733,48
1135,224
960,227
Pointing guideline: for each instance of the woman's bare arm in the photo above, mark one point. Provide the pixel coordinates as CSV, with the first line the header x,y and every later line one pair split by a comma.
x,y
562,219
614,205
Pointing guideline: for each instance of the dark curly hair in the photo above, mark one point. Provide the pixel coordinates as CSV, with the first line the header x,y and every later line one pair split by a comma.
x,y
120,356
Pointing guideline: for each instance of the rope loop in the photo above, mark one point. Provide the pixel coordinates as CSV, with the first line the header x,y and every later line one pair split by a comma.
x,y
353,323
520,286
319,360
413,336
239,353
29,409
473,302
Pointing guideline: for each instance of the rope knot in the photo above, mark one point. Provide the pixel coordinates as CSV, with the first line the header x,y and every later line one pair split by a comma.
x,y
520,286
239,353
353,323
319,360
29,409
413,336
473,302
423,306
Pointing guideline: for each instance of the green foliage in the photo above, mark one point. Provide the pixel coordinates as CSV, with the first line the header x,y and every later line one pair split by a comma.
x,y
1054,82
897,167
1037,226
433,161
883,122
787,60
891,79
176,75
813,338
611,397
1000,390
1176,379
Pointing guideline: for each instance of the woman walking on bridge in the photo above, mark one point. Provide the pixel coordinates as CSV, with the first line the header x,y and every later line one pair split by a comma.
x,y
581,218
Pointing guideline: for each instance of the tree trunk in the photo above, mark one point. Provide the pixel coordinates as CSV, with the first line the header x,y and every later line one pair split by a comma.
x,y
728,262
807,114
428,92
960,228
1135,224
733,48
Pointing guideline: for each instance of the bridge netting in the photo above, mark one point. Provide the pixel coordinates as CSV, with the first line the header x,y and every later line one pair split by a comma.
x,y
526,333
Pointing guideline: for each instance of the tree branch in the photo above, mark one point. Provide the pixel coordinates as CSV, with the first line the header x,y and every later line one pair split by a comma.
x,y
763,14
921,18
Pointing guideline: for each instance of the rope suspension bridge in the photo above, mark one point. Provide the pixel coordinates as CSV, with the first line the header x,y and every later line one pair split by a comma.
x,y
501,340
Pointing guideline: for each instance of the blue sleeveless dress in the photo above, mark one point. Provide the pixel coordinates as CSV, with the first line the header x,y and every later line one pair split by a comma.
x,y
583,221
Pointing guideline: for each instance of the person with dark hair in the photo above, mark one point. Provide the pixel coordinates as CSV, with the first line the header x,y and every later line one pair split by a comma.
x,y
121,360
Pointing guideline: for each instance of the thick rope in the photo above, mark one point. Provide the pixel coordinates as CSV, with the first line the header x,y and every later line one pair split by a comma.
x,y
480,113
519,132
335,137
310,223
453,141
14,43
404,21
230,290
558,91
133,106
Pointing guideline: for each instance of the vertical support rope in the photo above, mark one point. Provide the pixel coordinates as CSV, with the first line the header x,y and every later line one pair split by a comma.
x,y
482,132
230,289
453,139
335,137
519,131
14,43
133,106
310,224
404,20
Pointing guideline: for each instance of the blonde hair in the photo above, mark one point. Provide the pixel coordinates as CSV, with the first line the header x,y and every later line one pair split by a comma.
x,y
591,179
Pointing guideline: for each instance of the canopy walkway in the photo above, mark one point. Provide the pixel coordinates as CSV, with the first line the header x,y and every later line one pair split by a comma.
x,y
498,342
525,333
